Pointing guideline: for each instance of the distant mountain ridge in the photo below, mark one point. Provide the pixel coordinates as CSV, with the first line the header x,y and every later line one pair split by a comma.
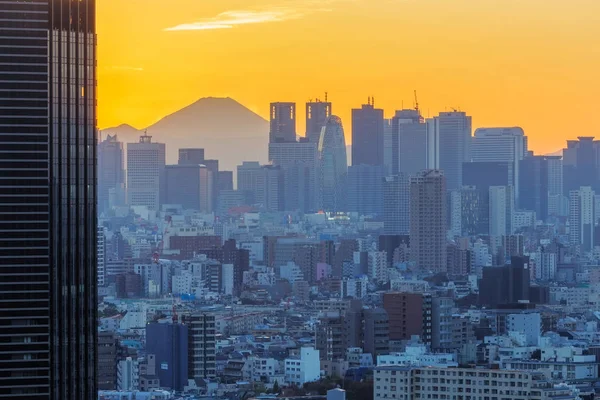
x,y
228,131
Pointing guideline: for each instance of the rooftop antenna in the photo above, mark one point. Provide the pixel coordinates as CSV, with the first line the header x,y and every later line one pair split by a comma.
x,y
373,101
325,97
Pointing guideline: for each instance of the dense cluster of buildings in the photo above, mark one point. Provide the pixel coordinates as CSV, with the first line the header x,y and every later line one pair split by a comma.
x,y
440,263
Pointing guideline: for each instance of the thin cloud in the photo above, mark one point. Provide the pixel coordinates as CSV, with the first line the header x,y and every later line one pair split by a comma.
x,y
231,19
126,68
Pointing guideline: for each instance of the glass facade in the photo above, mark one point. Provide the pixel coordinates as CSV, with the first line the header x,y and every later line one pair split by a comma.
x,y
334,165
47,199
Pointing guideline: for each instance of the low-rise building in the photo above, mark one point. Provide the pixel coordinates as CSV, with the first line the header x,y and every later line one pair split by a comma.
x,y
306,367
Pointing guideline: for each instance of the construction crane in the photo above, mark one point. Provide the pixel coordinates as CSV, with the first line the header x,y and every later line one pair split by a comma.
x,y
416,102
161,244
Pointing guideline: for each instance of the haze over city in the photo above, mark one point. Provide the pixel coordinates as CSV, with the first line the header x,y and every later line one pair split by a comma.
x,y
529,63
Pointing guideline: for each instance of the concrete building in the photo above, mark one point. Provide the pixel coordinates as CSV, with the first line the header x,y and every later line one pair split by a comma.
x,y
367,135
107,361
442,309
409,314
556,194
396,205
355,287
416,354
145,172
305,367
582,217
449,145
364,194
201,345
128,374
529,324
428,220
282,122
501,145
377,266
407,383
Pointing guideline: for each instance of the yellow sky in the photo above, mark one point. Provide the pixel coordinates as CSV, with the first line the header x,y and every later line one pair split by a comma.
x,y
533,63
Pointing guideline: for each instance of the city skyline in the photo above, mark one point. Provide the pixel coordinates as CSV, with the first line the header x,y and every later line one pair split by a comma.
x,y
456,54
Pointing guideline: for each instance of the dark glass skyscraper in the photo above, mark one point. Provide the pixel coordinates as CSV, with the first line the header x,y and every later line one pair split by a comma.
x,y
48,200
367,135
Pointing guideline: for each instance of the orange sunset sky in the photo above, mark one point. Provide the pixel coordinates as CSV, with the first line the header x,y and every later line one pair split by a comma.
x,y
532,63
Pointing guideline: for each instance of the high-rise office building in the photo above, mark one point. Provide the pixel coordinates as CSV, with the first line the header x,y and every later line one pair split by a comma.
x,y
582,217
225,180
107,360
367,135
145,172
283,123
449,145
581,164
409,143
533,183
300,164
481,176
191,156
333,165
263,185
248,177
317,114
396,205
557,202
501,145
48,197
111,175
428,220
364,194
190,185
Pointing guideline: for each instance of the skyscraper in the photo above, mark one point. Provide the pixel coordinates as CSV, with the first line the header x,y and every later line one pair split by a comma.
x,y
145,171
191,156
533,183
367,135
317,114
556,197
283,123
409,143
396,205
300,164
582,217
449,145
333,165
48,200
428,220
364,193
191,186
501,145
580,164
111,175
262,185
501,207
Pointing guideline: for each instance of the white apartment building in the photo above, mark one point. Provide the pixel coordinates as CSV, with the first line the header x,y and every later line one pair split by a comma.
x,y
582,217
377,266
573,368
529,324
406,383
304,368
128,374
355,287
417,355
